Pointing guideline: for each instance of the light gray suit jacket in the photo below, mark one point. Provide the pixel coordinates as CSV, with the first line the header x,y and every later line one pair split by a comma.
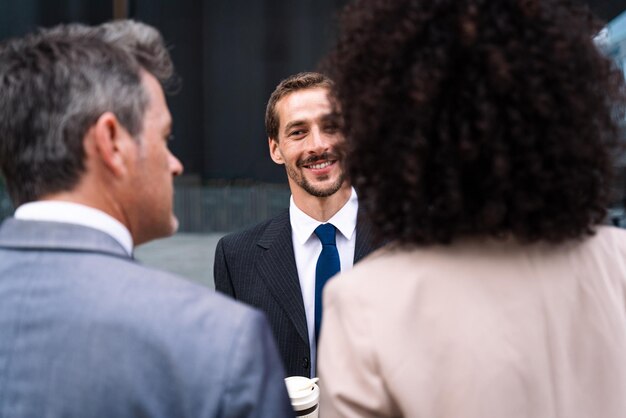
x,y
85,331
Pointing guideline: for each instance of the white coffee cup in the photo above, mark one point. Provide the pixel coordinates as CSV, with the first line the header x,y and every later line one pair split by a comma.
x,y
304,395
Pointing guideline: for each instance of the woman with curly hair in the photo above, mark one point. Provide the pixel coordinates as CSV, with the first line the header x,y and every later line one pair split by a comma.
x,y
481,139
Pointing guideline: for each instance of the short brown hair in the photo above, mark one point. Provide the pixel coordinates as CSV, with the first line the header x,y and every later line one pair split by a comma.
x,y
292,83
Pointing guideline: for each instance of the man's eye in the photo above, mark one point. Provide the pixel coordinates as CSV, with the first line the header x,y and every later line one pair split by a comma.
x,y
297,133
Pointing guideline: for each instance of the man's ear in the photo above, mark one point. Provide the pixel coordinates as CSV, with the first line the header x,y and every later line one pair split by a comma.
x,y
277,157
111,141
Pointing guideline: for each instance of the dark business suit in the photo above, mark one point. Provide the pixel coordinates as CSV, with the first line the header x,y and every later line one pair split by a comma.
x,y
258,267
87,332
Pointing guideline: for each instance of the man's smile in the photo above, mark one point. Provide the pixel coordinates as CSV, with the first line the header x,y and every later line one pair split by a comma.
x,y
318,162
318,166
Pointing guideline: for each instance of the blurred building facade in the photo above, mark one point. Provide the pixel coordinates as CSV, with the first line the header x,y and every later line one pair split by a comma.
x,y
615,40
230,54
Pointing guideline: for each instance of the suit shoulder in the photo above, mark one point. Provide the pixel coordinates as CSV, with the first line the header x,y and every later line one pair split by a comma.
x,y
183,304
251,235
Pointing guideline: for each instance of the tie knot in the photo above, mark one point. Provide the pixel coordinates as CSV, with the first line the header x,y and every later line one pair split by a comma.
x,y
326,234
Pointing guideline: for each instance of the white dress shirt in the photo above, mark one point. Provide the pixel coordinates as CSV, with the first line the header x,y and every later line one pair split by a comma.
x,y
307,248
75,213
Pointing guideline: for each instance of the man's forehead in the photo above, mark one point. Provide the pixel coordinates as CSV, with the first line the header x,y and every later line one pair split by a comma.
x,y
306,103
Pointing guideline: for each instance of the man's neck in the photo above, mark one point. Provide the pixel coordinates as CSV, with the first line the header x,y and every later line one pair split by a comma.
x,y
322,208
91,200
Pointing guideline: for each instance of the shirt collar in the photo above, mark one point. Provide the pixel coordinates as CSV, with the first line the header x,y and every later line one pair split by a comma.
x,y
344,220
75,213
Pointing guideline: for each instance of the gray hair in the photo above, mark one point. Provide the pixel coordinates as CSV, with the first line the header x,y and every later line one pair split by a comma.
x,y
55,84
145,44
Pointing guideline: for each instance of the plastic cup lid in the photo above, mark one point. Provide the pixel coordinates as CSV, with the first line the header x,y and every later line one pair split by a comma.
x,y
300,386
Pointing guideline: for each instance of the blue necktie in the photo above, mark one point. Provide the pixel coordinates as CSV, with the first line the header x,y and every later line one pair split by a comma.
x,y
327,266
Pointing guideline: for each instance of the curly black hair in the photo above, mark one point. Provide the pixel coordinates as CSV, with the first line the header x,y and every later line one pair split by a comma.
x,y
477,117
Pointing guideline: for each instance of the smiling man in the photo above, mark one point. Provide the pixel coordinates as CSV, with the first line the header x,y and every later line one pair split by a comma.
x,y
281,265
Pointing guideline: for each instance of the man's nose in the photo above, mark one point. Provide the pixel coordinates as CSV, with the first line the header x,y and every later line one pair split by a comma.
x,y
176,167
318,141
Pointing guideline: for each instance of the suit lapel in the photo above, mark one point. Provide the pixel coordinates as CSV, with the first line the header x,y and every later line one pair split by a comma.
x,y
364,239
277,267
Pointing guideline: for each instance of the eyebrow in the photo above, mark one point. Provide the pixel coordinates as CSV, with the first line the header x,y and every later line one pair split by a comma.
x,y
294,124
333,117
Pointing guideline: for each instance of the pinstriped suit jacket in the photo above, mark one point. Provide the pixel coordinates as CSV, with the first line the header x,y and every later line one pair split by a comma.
x,y
258,267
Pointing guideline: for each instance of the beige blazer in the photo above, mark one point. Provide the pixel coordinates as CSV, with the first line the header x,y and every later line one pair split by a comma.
x,y
479,329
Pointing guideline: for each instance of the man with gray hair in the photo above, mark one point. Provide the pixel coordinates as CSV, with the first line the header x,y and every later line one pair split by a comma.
x,y
85,331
